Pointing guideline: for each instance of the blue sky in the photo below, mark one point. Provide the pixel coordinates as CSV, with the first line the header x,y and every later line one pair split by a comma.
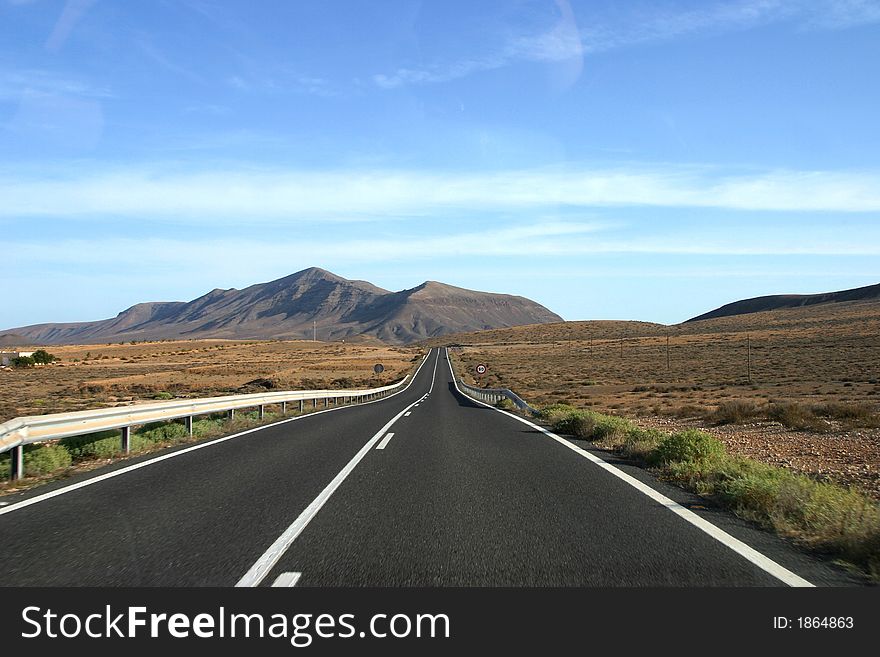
x,y
631,160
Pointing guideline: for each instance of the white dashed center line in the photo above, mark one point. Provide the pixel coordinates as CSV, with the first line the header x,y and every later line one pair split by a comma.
x,y
385,441
286,580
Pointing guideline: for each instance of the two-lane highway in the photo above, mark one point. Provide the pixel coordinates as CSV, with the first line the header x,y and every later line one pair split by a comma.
x,y
426,488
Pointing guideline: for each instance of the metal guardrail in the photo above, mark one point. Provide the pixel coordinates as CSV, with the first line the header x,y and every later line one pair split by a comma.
x,y
21,431
494,395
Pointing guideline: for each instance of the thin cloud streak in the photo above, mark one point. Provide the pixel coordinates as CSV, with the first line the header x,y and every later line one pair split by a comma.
x,y
567,42
296,196
16,83
553,240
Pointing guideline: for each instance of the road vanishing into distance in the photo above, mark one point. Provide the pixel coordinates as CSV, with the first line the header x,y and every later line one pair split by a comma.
x,y
423,488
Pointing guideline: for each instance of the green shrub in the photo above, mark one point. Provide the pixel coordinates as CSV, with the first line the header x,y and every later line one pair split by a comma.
x,y
43,357
209,427
640,443
22,361
158,432
505,404
750,487
552,414
576,423
101,445
163,395
689,446
43,459
609,427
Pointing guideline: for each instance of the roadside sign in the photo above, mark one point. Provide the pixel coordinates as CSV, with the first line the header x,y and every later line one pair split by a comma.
x,y
481,369
378,368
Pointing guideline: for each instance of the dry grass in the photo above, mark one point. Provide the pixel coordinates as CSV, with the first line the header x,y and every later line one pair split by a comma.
x,y
90,376
825,354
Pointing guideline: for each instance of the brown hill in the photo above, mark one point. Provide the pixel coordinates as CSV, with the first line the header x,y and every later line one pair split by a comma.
x,y
294,306
780,301
14,340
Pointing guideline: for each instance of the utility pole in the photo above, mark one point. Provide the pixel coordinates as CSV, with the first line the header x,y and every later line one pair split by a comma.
x,y
749,342
314,330
667,351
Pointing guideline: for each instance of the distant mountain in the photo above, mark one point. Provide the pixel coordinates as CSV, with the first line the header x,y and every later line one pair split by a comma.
x,y
14,340
776,302
290,307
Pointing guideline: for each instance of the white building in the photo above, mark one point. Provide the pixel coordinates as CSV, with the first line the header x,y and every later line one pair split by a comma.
x,y
7,356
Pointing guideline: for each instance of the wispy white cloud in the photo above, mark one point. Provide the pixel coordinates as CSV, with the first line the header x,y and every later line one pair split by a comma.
x,y
291,196
16,83
573,243
283,82
840,14
73,12
146,46
559,44
568,40
208,108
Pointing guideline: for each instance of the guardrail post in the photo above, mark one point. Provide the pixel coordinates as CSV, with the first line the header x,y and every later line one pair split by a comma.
x,y
126,439
284,408
326,402
230,415
16,463
189,425
315,403
262,411
302,405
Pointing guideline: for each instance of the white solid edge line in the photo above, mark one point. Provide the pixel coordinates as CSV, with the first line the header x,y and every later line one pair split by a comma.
x,y
385,441
286,580
273,554
749,553
143,464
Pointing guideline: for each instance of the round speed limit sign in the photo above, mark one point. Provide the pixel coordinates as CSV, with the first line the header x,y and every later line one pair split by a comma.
x,y
481,369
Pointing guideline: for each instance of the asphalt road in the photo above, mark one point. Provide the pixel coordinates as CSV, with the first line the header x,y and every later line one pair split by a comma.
x,y
459,495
